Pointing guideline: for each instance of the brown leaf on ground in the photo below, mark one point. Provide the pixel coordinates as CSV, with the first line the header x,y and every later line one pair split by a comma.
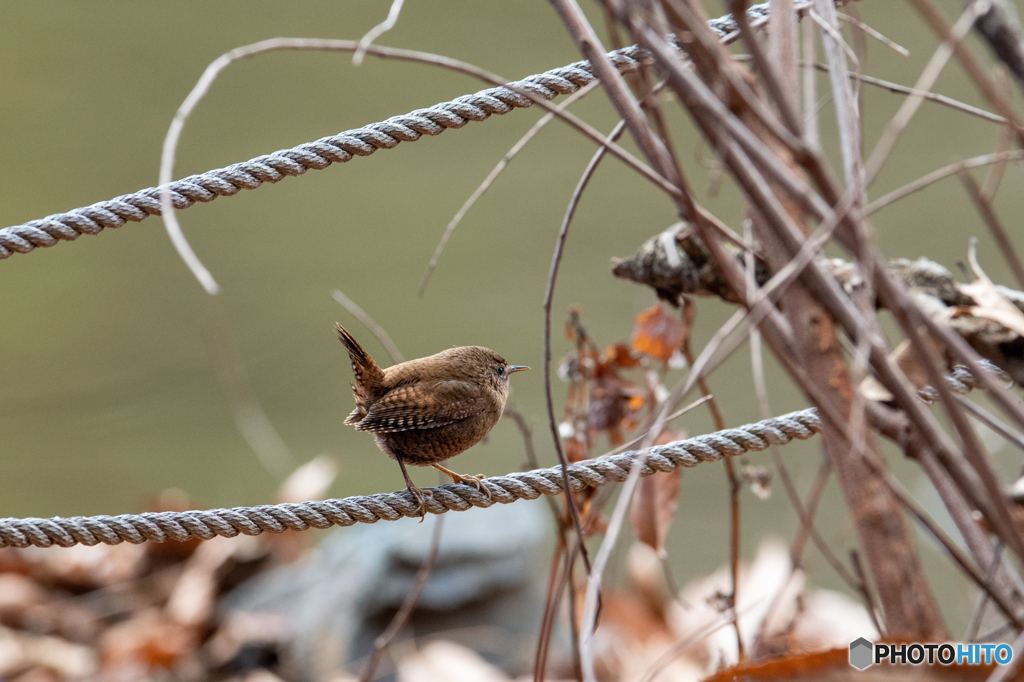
x,y
28,654
658,333
151,639
834,666
84,567
450,662
192,600
18,593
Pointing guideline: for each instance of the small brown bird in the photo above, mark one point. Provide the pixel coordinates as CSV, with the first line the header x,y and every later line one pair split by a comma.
x,y
425,411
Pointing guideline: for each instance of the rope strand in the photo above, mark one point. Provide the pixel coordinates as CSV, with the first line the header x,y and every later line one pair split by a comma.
x,y
529,485
322,153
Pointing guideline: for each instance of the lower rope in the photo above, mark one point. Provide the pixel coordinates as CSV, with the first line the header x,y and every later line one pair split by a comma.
x,y
529,485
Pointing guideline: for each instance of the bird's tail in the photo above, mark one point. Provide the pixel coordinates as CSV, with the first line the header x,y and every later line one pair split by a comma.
x,y
368,374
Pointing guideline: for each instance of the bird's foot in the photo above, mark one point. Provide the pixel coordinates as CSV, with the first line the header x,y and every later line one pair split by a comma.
x,y
421,497
474,480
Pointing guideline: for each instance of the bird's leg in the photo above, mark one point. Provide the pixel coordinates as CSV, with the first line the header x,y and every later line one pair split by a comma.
x,y
460,478
417,492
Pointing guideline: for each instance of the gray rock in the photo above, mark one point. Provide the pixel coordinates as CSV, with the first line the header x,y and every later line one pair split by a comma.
x,y
486,590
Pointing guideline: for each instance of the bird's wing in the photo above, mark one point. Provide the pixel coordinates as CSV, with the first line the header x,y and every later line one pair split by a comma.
x,y
421,406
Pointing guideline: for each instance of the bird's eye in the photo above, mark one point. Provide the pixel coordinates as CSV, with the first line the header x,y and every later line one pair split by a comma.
x,y
501,370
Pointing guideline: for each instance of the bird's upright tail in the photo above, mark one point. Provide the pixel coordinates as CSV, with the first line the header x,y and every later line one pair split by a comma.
x,y
368,374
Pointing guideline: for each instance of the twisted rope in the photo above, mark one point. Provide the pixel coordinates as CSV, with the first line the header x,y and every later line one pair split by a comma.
x,y
322,153
529,485
163,526
962,382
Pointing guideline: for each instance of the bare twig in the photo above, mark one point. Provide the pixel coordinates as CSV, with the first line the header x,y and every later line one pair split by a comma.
x,y
1006,137
212,71
929,96
1003,673
377,31
995,225
371,324
804,514
615,86
865,591
678,413
939,174
847,115
250,417
524,428
588,623
677,648
689,314
947,544
924,84
993,422
810,86
202,87
549,295
382,642
974,69
774,83
552,597
892,45
531,455
492,176
979,610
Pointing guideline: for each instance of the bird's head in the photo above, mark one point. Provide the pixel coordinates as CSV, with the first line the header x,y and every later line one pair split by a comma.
x,y
489,368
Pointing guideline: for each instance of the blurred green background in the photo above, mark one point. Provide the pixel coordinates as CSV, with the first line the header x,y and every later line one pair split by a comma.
x,y
108,390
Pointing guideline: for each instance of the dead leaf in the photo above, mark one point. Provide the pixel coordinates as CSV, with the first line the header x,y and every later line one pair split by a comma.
x,y
657,333
22,653
150,640
813,666
1007,316
575,449
450,662
611,403
621,355
991,303
18,593
264,675
191,601
654,507
85,567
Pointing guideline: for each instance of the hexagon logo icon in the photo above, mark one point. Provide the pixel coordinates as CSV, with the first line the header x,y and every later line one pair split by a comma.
x,y
861,653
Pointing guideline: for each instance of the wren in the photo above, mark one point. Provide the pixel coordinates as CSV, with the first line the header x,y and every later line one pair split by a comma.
x,y
427,410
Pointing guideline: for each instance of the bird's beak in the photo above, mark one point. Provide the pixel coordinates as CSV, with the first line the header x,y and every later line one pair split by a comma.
x,y
517,368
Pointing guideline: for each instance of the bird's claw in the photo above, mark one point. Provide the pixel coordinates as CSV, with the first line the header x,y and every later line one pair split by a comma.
x,y
476,481
420,494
